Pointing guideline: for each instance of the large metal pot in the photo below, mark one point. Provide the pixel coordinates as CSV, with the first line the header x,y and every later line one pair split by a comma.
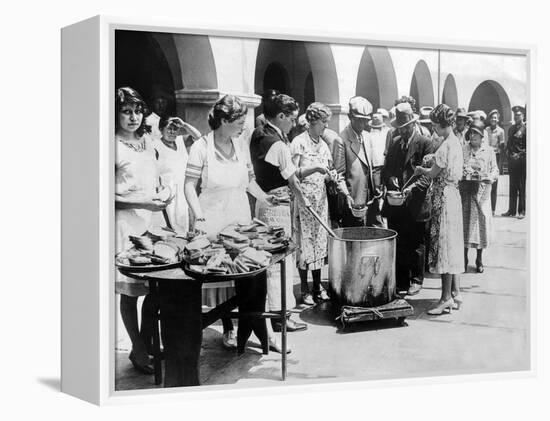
x,y
362,266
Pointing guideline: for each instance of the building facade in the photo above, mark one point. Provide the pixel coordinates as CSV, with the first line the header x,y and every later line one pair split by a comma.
x,y
196,70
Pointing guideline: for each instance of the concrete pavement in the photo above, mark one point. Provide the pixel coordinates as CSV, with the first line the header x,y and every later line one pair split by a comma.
x,y
490,333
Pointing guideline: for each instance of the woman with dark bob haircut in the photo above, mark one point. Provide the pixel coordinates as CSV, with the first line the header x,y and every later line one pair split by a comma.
x,y
136,199
221,161
446,235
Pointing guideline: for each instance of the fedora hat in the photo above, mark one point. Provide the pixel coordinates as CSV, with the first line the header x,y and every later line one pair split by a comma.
x,y
404,115
360,107
461,113
425,114
384,112
377,121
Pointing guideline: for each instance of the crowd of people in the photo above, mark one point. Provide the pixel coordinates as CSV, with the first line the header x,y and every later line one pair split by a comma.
x,y
444,163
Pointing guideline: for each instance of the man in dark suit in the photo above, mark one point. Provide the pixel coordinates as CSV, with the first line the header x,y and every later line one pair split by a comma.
x,y
406,152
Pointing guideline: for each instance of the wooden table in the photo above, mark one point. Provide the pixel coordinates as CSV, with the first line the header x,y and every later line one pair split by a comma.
x,y
182,320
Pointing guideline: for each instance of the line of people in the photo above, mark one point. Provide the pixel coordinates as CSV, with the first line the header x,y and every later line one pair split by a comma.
x,y
291,162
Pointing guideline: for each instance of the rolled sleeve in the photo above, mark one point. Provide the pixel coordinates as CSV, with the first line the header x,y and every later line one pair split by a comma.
x,y
279,156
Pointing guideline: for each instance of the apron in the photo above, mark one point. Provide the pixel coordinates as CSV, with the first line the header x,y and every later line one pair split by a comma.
x,y
172,164
223,201
223,197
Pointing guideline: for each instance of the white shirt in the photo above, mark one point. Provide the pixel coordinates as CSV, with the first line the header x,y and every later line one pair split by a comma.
x,y
375,142
279,156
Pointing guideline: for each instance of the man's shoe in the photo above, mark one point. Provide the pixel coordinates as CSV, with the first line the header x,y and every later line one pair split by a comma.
x,y
291,326
521,216
414,289
508,214
276,347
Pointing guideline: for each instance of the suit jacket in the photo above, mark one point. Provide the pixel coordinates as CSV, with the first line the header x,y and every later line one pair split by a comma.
x,y
417,147
357,168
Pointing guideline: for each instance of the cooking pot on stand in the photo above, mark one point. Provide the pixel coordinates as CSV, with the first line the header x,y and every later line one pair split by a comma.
x,y
362,266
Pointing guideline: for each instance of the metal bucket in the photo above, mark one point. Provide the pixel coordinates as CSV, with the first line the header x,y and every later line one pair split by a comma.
x,y
362,266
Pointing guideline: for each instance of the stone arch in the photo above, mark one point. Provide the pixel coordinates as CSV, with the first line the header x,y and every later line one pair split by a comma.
x,y
422,89
141,62
450,94
376,78
490,95
276,77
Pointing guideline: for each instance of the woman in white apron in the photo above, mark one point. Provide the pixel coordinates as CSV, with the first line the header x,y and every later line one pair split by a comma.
x,y
221,162
172,159
136,200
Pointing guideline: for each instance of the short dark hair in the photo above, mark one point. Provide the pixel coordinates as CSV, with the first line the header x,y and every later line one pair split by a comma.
x,y
408,99
229,108
165,121
280,103
129,96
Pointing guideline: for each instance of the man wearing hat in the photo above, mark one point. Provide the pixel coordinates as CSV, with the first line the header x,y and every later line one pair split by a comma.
x,y
376,145
385,116
406,153
462,119
425,124
357,165
516,149
496,140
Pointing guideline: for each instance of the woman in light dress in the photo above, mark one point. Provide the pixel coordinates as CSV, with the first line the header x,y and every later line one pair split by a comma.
x,y
220,160
312,158
446,234
480,171
172,159
136,200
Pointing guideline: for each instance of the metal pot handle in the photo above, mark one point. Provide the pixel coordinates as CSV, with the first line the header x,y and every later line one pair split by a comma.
x,y
366,261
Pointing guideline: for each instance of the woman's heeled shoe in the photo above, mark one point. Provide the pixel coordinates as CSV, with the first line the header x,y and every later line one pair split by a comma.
x,y
441,307
457,301
479,267
143,369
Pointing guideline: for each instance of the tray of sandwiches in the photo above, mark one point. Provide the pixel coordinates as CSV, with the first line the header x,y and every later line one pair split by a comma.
x,y
156,249
238,251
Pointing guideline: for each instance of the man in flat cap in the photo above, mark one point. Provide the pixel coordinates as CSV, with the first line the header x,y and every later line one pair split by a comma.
x,y
358,166
461,127
409,220
516,150
496,140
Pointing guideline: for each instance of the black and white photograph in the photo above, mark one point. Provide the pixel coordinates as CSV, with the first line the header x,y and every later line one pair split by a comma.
x,y
297,212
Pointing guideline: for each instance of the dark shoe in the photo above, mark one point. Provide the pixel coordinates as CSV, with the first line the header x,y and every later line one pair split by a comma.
x,y
291,326
143,369
521,216
508,214
479,267
414,289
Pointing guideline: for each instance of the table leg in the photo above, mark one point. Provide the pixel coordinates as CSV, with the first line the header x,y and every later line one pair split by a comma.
x,y
181,322
157,363
283,316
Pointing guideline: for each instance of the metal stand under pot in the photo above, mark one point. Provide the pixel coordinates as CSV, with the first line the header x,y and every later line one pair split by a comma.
x,y
362,274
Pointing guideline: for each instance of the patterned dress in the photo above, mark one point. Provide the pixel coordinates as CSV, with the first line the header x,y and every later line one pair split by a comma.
x,y
446,234
308,234
476,197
